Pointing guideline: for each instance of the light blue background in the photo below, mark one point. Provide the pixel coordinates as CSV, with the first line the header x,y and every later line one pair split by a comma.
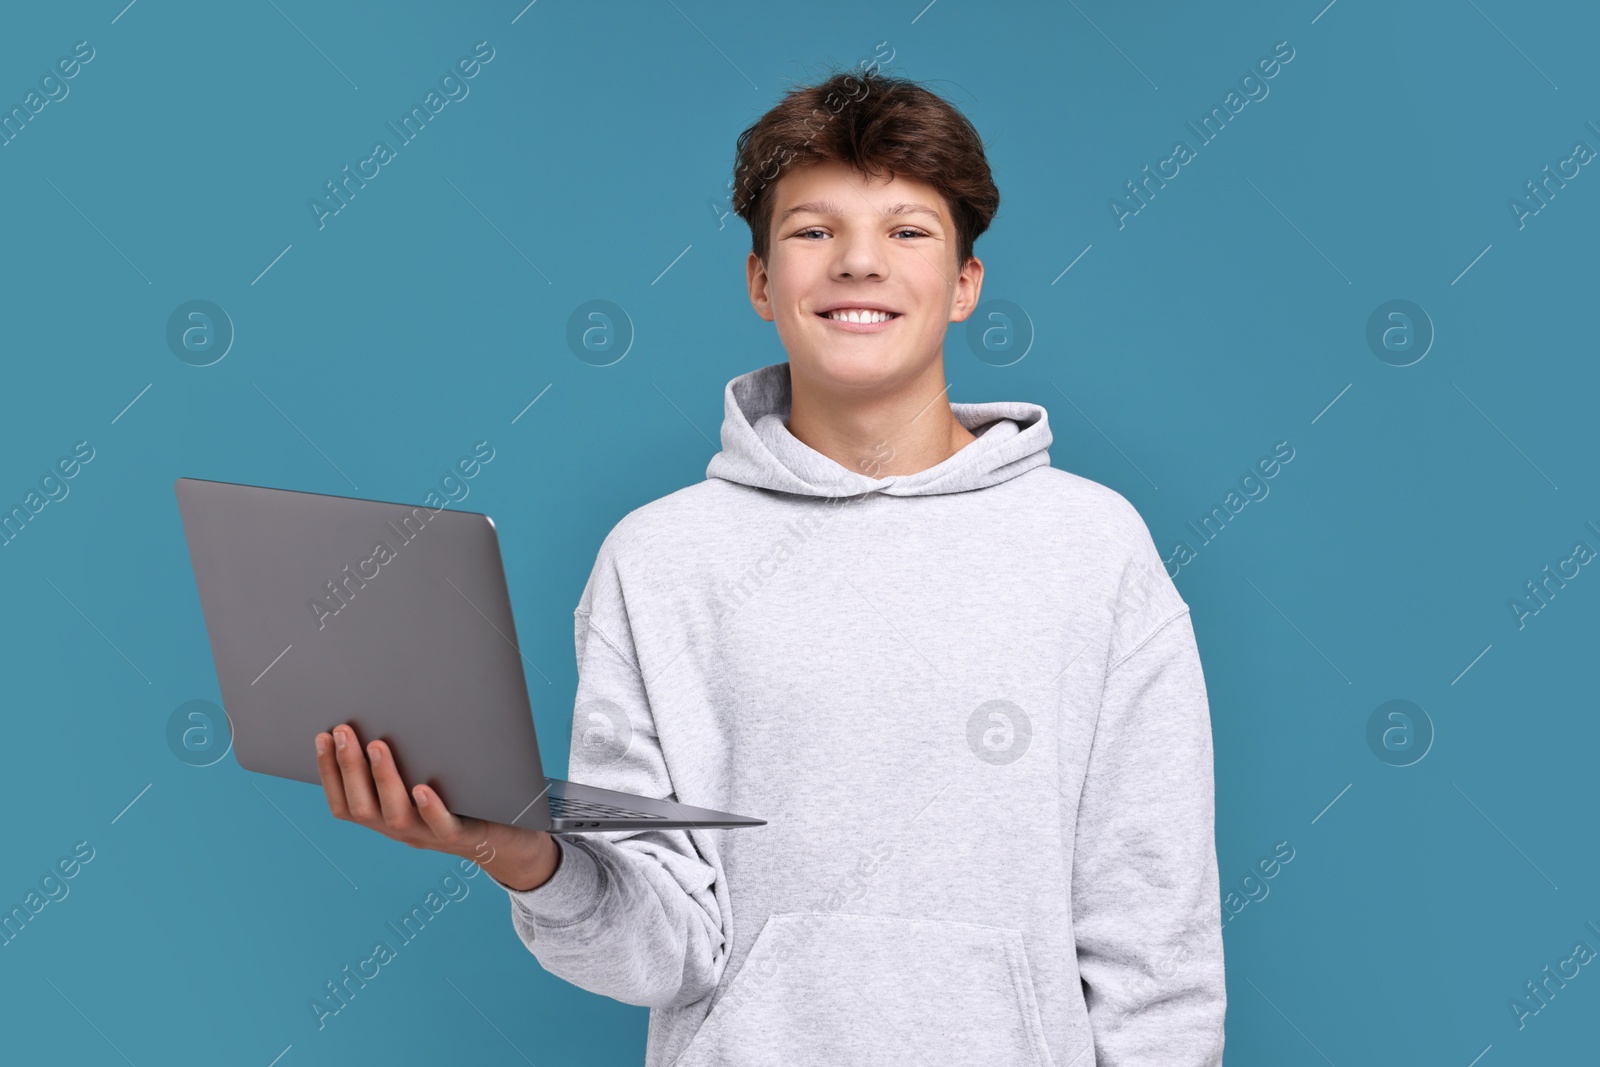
x,y
591,155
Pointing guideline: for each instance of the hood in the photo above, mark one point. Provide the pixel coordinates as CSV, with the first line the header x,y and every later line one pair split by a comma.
x,y
758,449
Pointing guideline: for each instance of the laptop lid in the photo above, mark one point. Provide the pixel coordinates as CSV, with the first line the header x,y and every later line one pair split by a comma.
x,y
392,617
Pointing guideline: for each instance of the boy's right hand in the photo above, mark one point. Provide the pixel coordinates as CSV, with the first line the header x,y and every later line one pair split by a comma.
x,y
373,795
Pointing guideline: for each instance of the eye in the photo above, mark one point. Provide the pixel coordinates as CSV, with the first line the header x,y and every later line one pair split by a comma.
x,y
810,229
913,232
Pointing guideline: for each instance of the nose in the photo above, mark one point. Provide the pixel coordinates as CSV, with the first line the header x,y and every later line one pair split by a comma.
x,y
858,254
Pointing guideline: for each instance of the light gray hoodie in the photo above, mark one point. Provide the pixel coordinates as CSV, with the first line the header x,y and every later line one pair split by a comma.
x,y
968,702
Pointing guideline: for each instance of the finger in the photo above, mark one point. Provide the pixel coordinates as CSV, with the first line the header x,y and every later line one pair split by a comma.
x,y
357,775
448,827
393,799
332,777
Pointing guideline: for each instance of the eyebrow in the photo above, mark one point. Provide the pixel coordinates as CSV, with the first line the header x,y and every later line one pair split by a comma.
x,y
828,207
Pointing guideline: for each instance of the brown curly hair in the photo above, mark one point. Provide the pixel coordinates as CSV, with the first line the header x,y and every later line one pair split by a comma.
x,y
883,126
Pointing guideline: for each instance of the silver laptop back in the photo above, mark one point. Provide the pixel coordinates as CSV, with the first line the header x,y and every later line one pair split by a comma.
x,y
391,617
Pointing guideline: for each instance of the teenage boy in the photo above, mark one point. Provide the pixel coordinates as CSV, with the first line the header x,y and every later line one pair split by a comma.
x,y
956,681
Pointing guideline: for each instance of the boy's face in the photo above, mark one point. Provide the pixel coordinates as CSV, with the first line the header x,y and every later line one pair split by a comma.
x,y
841,240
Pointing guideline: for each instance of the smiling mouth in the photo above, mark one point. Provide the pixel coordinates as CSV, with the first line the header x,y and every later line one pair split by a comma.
x,y
859,316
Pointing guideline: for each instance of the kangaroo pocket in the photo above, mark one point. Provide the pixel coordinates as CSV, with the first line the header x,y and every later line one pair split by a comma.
x,y
858,989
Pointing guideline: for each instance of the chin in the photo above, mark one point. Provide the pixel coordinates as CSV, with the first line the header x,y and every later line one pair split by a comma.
x,y
852,370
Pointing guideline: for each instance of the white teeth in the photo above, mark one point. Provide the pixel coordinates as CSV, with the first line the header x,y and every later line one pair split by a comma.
x,y
859,316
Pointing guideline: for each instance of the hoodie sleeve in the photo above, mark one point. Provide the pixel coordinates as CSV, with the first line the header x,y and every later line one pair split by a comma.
x,y
1145,900
636,915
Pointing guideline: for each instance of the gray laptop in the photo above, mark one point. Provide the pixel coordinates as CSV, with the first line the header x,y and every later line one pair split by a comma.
x,y
395,619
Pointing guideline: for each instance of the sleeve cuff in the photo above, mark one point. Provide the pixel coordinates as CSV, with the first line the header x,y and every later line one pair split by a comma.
x,y
571,894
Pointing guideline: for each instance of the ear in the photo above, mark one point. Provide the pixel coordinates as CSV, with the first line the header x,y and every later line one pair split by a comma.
x,y
969,285
760,292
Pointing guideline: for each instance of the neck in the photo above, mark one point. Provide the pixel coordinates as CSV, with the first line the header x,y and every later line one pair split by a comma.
x,y
901,428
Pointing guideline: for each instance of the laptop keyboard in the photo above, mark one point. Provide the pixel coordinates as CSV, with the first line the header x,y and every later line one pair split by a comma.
x,y
568,808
